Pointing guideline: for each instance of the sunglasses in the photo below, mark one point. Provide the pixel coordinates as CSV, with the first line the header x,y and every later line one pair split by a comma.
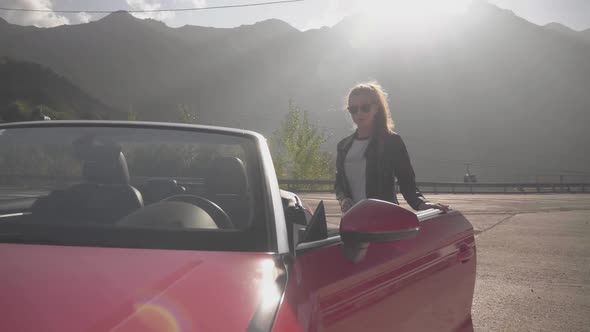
x,y
366,108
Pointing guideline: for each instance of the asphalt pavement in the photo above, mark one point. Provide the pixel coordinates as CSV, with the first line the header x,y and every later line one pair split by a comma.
x,y
533,259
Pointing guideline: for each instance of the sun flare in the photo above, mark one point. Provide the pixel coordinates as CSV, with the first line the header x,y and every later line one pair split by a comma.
x,y
415,7
413,12
413,22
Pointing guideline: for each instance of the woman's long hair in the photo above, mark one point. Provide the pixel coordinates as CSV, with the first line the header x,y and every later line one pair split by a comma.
x,y
382,123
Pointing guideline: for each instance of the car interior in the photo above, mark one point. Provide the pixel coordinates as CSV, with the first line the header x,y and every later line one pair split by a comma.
x,y
108,196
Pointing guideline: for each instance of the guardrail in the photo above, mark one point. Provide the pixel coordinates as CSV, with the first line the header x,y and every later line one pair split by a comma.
x,y
328,185
453,187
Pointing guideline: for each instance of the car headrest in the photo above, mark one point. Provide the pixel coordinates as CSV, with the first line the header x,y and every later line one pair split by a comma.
x,y
112,169
227,176
87,152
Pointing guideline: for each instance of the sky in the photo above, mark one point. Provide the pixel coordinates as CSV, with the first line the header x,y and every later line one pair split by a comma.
x,y
304,15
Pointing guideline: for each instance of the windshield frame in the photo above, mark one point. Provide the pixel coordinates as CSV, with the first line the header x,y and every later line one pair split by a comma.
x,y
265,175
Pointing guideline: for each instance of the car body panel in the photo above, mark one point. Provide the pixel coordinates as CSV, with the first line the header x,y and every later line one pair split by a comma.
x,y
61,288
419,284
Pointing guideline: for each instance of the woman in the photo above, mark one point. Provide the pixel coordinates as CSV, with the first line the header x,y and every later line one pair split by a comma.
x,y
371,158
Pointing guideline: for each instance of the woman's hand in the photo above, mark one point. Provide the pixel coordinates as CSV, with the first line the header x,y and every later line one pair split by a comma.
x,y
438,206
345,204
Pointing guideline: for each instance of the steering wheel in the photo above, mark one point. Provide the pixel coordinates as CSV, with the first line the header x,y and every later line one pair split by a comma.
x,y
221,218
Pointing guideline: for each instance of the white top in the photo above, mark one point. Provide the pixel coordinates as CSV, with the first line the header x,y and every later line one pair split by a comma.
x,y
354,168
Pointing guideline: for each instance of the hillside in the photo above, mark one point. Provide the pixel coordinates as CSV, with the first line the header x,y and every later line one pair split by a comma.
x,y
28,87
583,36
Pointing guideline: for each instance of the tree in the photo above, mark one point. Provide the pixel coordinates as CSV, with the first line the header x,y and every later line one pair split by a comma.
x,y
296,148
132,115
185,114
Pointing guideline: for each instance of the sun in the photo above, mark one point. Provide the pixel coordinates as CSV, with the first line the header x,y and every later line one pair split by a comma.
x,y
415,22
421,6
413,12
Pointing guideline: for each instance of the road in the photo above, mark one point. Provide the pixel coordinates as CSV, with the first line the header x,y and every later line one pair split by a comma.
x,y
533,268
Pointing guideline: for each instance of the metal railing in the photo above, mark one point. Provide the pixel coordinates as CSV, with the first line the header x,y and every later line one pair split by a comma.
x,y
453,187
328,185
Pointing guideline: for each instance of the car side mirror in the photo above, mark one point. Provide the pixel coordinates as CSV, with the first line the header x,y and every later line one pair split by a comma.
x,y
373,220
295,215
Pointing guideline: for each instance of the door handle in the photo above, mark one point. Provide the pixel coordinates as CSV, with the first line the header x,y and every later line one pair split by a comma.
x,y
465,253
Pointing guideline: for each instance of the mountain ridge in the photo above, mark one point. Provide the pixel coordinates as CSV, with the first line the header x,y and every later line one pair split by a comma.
x,y
490,78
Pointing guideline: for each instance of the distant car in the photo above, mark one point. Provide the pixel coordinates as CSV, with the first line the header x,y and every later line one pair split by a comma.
x,y
125,226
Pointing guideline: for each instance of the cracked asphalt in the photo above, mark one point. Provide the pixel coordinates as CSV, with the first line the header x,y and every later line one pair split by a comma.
x,y
533,268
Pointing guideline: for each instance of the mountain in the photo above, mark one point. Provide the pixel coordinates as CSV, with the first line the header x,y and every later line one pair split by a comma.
x,y
558,27
488,88
27,87
566,31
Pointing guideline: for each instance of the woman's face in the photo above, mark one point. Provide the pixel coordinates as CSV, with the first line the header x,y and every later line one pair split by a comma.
x,y
362,110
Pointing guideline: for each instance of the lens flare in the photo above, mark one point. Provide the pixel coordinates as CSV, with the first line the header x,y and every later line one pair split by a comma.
x,y
410,18
157,318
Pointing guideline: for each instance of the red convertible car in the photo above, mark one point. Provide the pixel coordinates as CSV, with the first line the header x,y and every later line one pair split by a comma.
x,y
128,226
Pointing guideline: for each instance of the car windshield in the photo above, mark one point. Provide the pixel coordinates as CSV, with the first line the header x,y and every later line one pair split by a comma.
x,y
131,186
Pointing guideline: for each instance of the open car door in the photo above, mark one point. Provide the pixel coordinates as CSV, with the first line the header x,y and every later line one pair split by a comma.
x,y
388,269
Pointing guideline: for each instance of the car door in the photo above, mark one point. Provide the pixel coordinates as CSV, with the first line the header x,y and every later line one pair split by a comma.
x,y
420,284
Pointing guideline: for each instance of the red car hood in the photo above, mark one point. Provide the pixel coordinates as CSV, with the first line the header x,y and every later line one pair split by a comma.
x,y
57,288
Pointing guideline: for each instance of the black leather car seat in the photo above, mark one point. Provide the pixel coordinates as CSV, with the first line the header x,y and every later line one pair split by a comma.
x,y
104,198
227,185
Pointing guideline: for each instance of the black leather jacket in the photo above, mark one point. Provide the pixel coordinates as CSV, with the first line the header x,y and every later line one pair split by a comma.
x,y
384,164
